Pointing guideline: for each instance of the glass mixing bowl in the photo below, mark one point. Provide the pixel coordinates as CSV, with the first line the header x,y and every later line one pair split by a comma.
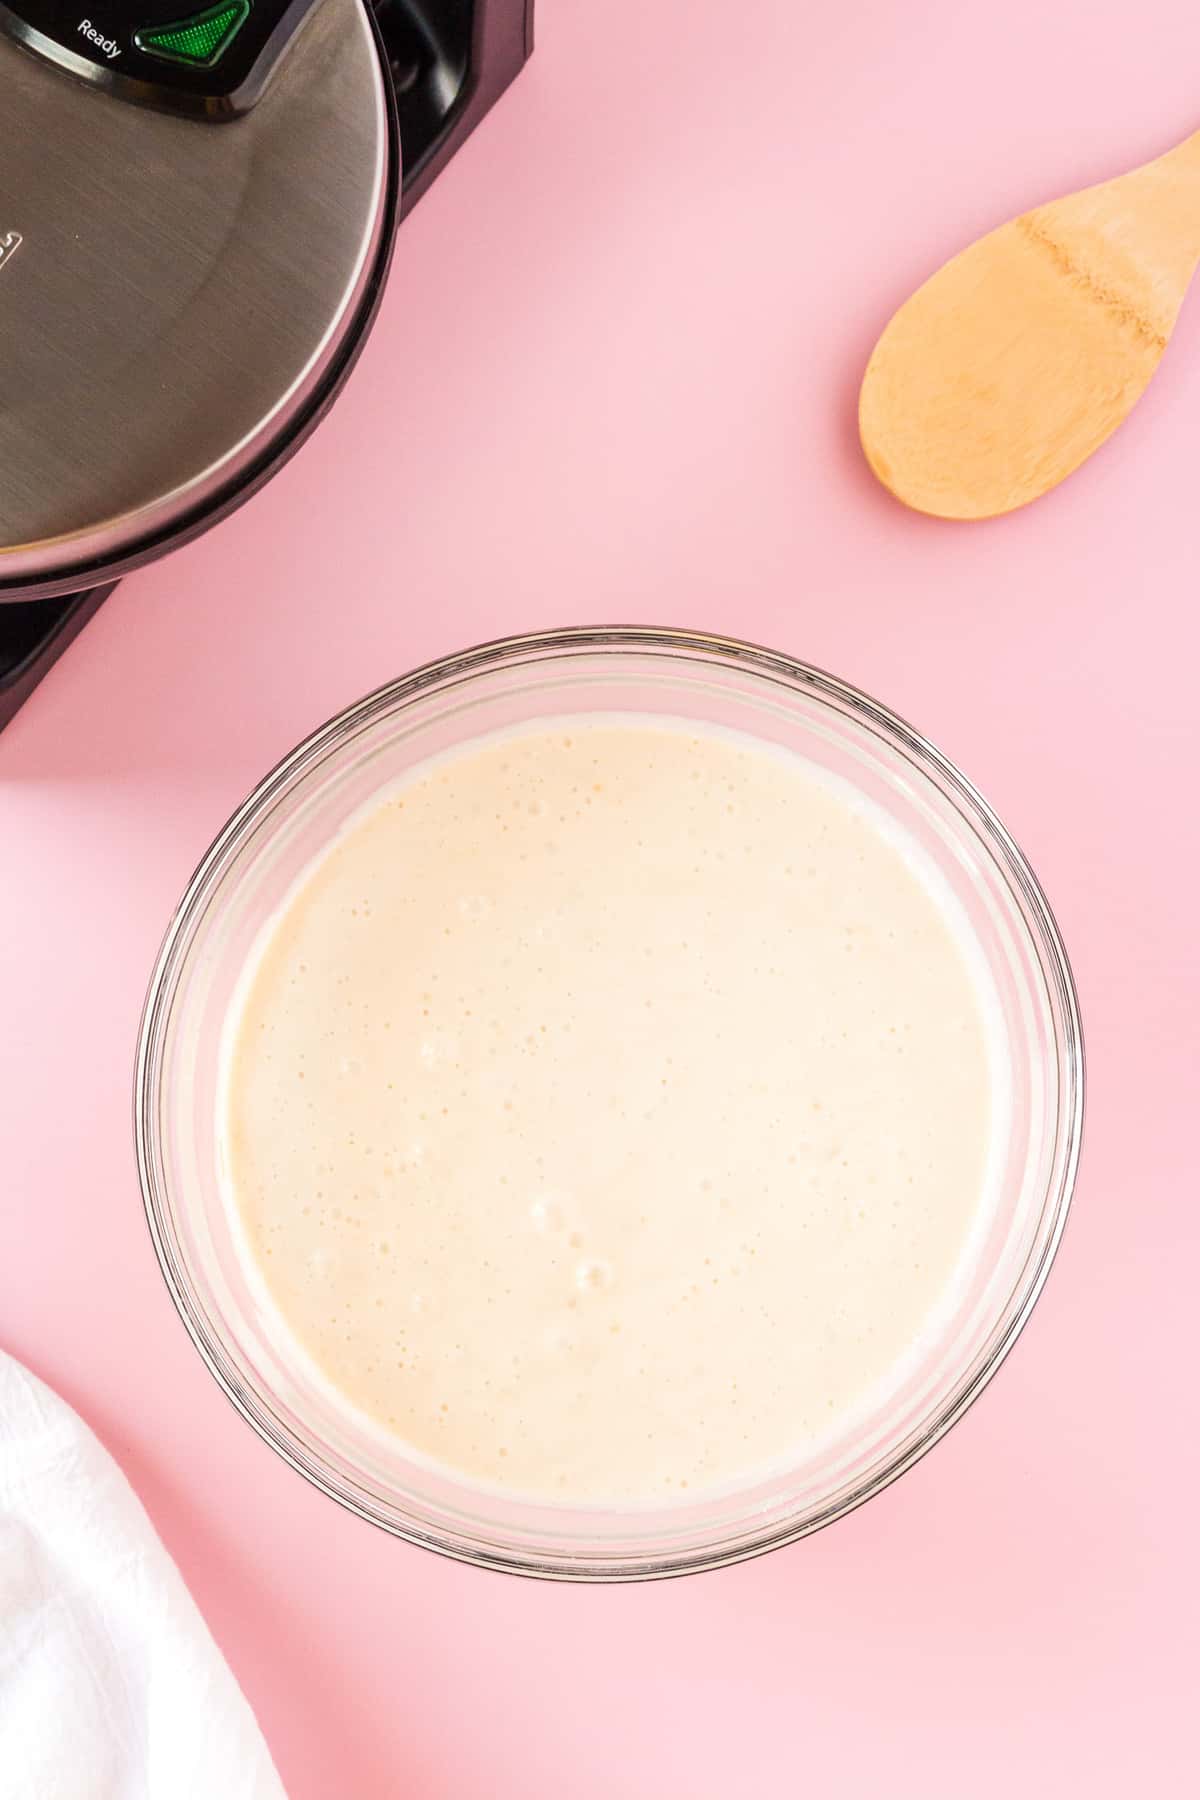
x,y
292,815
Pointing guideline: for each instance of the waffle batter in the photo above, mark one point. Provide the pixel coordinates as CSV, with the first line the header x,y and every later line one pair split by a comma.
x,y
608,1109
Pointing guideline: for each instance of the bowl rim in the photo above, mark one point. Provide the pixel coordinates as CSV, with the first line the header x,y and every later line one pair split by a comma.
x,y
451,670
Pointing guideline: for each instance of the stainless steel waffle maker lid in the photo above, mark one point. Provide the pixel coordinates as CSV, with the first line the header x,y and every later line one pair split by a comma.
x,y
195,204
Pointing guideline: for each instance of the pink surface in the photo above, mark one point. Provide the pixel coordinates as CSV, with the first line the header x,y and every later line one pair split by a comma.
x,y
614,377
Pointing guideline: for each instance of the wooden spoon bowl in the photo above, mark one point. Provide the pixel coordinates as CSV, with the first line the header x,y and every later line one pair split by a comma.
x,y
1013,363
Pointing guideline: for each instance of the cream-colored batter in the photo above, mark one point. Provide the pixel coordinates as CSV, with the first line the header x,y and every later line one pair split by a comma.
x,y
609,1107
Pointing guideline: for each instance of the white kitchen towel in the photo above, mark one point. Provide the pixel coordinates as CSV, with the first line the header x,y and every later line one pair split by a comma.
x,y
111,1687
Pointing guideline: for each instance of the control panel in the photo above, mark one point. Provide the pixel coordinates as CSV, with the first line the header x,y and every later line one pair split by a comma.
x,y
210,60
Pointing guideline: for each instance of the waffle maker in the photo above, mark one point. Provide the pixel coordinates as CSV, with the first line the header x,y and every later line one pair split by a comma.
x,y
197,210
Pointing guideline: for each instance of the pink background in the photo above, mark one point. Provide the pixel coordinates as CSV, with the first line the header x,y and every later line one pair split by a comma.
x,y
614,377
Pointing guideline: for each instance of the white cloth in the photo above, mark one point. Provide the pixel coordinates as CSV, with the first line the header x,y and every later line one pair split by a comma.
x,y
111,1687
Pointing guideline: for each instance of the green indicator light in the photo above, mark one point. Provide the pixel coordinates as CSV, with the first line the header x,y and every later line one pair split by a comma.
x,y
198,41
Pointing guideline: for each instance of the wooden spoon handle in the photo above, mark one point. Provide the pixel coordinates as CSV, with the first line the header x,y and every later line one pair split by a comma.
x,y
1135,242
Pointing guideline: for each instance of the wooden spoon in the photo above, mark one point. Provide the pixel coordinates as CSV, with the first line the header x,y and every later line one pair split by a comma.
x,y
1023,353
